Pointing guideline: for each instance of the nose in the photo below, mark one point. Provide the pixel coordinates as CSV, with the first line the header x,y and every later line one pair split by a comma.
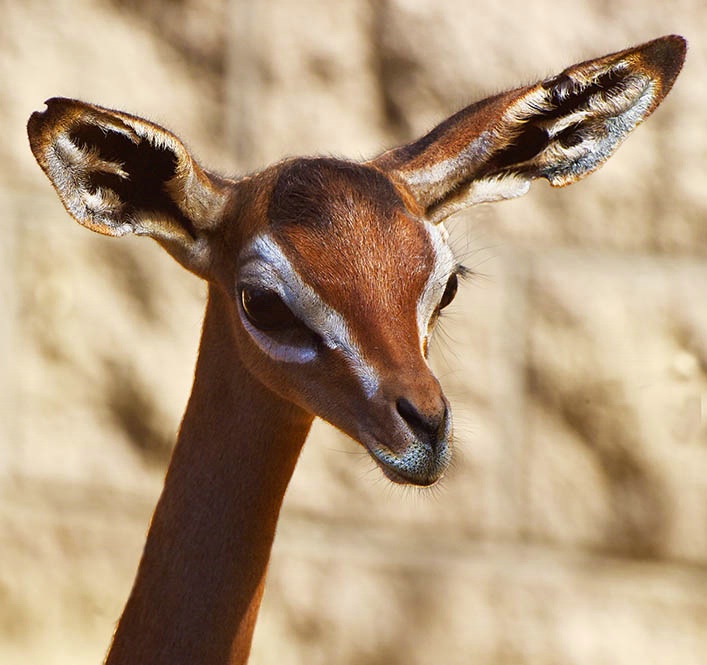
x,y
428,426
414,446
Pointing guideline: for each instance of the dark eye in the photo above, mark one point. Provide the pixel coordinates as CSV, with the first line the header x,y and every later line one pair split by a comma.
x,y
449,291
265,309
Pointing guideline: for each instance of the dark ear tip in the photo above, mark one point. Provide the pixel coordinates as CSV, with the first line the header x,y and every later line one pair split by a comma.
x,y
53,108
677,43
35,127
674,47
59,101
56,106
666,54
34,120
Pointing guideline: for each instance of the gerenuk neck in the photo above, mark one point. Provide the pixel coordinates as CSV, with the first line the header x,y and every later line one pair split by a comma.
x,y
200,581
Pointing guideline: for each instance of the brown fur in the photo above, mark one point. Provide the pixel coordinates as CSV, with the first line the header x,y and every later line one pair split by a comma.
x,y
316,200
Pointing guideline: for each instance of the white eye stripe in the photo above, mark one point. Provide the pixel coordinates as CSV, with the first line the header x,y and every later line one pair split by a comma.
x,y
287,353
437,281
266,266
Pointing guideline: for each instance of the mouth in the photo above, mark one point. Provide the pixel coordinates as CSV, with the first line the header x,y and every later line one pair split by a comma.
x,y
417,465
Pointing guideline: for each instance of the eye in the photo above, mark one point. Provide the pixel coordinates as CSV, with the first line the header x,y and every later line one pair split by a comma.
x,y
449,291
265,309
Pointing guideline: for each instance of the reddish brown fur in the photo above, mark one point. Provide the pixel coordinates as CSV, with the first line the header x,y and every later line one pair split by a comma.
x,y
203,568
350,230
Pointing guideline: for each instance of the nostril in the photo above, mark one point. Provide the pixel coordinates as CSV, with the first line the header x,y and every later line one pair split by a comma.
x,y
407,411
427,427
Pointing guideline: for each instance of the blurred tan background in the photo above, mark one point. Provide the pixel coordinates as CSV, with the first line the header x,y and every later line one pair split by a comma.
x,y
573,528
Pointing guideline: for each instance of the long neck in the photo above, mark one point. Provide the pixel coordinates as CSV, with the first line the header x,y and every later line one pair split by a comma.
x,y
200,580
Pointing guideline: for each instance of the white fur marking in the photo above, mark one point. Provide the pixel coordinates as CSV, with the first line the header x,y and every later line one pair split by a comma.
x,y
267,267
436,282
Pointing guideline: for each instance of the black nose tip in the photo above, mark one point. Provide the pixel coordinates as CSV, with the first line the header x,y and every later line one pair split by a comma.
x,y
428,427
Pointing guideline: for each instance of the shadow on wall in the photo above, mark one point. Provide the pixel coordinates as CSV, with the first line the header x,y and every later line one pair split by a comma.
x,y
133,410
195,31
600,415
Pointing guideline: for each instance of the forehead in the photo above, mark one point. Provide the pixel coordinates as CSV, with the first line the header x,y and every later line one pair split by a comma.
x,y
344,226
315,192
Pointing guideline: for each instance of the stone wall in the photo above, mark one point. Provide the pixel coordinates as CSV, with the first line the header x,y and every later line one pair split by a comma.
x,y
573,528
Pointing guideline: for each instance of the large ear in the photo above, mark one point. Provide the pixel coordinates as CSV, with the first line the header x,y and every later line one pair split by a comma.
x,y
118,174
560,129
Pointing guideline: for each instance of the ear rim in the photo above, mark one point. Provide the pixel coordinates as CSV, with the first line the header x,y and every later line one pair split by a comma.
x,y
423,168
199,196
